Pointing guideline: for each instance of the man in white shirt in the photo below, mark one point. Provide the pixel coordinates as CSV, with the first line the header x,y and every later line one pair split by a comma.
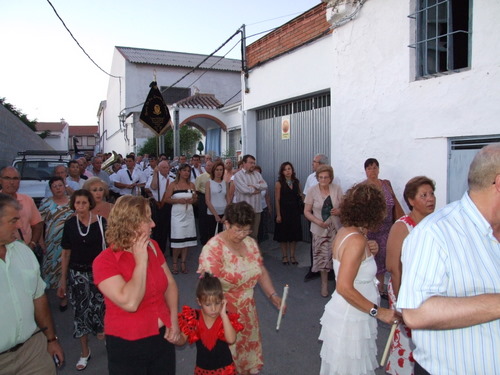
x,y
157,184
130,179
74,173
199,184
248,184
196,168
450,290
113,190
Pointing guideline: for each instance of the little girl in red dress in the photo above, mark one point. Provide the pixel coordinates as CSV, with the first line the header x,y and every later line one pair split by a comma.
x,y
212,328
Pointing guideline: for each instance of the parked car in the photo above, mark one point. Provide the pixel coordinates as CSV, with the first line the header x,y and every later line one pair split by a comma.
x,y
36,167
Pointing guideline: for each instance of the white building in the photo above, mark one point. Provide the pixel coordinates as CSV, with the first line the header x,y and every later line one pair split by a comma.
x,y
393,97
212,83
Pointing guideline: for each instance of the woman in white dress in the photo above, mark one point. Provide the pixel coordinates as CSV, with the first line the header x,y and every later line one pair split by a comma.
x,y
181,194
349,326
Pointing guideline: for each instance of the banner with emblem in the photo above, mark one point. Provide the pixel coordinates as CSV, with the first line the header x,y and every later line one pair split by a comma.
x,y
155,114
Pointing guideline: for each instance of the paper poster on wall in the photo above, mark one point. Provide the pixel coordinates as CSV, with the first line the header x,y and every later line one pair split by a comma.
x,y
285,127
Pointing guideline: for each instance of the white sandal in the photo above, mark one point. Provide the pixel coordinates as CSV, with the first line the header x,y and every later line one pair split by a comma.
x,y
82,362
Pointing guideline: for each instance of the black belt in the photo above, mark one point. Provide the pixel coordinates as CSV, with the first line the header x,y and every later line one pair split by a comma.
x,y
18,346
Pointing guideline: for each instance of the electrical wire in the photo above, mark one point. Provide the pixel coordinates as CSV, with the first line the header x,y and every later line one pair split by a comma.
x,y
76,41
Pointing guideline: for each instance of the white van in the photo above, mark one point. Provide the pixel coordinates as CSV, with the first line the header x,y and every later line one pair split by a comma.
x,y
36,167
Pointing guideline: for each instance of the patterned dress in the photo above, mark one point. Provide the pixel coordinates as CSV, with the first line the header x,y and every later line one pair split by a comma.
x,y
54,217
383,232
238,276
213,356
401,360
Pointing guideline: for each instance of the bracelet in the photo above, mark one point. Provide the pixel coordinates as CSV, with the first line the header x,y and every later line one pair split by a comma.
x,y
32,242
273,295
52,340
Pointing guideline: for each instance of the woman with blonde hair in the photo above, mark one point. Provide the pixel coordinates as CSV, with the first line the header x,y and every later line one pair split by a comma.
x,y
140,293
99,190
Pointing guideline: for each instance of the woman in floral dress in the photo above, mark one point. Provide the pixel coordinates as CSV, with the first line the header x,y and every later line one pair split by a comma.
x,y
419,196
55,211
234,257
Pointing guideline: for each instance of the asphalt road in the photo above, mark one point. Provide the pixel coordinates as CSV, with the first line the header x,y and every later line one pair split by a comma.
x,y
293,350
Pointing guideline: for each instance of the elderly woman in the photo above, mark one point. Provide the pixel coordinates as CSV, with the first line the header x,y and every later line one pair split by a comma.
x,y
349,326
419,196
55,210
181,194
100,191
140,293
82,241
393,212
234,257
322,210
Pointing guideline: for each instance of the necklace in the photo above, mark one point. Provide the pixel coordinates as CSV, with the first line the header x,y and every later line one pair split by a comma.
x,y
78,225
289,183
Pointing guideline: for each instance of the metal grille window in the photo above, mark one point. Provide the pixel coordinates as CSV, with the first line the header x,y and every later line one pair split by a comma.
x,y
234,141
301,105
443,30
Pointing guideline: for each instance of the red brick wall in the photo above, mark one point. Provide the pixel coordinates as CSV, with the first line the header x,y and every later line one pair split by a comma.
x,y
296,32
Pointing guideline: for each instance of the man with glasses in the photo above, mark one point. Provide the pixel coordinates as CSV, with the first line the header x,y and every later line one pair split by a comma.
x,y
31,224
248,184
450,290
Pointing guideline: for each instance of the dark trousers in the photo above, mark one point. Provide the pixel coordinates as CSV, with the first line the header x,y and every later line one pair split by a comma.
x,y
148,356
211,225
161,232
203,220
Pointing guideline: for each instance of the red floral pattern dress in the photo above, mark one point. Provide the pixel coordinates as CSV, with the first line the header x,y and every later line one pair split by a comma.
x,y
238,276
401,360
213,356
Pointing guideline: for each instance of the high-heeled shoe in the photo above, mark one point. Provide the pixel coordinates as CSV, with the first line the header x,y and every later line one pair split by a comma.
x,y
293,261
175,270
285,261
183,267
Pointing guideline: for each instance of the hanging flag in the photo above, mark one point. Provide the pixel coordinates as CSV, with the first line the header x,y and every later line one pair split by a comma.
x,y
155,112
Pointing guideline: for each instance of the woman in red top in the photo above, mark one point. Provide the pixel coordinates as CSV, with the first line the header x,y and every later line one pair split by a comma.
x,y
141,312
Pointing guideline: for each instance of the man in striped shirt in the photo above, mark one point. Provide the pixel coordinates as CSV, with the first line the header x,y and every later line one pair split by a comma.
x,y
248,184
450,291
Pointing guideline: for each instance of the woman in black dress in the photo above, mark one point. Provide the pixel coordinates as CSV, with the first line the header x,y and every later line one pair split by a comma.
x,y
288,201
82,241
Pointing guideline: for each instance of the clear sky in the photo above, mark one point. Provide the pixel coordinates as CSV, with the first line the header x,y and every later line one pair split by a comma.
x,y
45,74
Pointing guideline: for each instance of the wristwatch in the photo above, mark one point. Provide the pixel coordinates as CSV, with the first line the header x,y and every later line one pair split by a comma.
x,y
374,311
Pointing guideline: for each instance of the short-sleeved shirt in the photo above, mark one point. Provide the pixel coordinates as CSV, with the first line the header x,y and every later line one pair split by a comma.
x,y
143,322
453,253
20,283
29,215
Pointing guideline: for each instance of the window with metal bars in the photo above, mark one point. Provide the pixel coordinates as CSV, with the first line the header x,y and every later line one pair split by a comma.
x,y
443,36
306,104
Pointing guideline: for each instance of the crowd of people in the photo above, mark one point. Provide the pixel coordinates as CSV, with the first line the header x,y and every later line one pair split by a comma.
x,y
113,242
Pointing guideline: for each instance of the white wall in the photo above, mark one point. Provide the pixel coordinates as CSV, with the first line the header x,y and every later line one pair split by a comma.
x,y
379,110
134,89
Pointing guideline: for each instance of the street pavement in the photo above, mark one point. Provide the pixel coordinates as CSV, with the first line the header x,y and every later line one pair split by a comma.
x,y
293,350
